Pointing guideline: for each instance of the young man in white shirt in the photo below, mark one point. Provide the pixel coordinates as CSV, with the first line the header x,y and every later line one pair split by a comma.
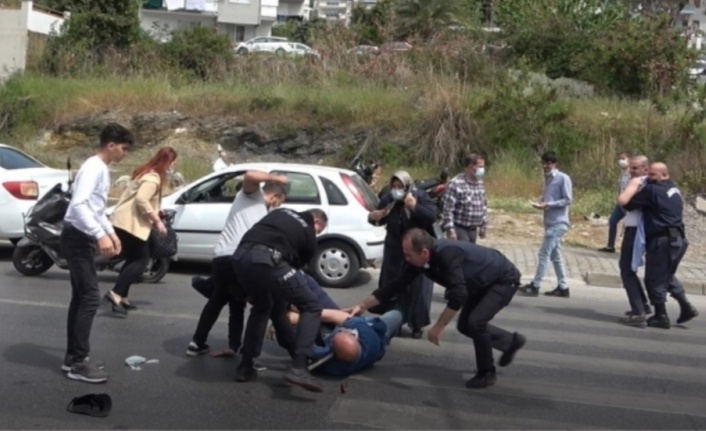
x,y
87,230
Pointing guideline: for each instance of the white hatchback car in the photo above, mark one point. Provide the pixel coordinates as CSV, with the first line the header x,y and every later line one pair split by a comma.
x,y
23,180
260,43
348,244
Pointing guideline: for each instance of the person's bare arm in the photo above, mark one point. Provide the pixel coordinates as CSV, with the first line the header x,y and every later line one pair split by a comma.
x,y
630,190
252,180
337,317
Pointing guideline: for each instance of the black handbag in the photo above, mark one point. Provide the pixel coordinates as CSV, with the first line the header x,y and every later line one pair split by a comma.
x,y
163,246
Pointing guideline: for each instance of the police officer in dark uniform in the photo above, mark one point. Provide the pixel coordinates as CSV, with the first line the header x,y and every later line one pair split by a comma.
x,y
662,207
266,262
480,281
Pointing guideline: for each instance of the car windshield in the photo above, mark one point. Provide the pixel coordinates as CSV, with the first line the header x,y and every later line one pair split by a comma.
x,y
368,194
11,159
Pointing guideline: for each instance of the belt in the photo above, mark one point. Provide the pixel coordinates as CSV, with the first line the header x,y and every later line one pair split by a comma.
x,y
253,246
466,227
672,232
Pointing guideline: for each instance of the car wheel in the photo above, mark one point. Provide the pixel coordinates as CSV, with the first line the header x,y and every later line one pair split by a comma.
x,y
335,264
279,51
156,270
31,260
242,51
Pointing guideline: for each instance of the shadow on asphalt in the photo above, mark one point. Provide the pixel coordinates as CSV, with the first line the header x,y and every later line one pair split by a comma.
x,y
581,313
176,267
35,356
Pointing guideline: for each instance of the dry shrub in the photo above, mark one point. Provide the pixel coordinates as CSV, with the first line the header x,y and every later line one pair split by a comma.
x,y
447,131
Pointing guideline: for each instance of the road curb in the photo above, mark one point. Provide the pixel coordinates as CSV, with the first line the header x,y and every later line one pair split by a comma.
x,y
613,280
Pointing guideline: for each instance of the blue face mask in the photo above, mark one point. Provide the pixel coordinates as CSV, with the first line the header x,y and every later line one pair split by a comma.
x,y
397,194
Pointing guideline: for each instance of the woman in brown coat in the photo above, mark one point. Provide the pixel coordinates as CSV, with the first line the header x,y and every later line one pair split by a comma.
x,y
134,216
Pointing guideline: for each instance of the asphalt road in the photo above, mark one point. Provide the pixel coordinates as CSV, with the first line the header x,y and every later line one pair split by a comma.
x,y
578,370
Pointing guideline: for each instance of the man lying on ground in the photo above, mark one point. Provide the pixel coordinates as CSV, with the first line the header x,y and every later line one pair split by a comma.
x,y
356,342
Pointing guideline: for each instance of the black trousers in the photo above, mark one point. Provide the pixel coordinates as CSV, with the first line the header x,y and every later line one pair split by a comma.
x,y
136,253
631,282
662,259
79,250
224,280
476,314
271,285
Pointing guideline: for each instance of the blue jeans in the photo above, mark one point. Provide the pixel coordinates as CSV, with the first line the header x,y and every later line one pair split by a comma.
x,y
551,249
615,217
393,320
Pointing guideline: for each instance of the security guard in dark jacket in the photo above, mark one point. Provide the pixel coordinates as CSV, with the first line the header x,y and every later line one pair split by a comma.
x,y
662,207
479,281
266,262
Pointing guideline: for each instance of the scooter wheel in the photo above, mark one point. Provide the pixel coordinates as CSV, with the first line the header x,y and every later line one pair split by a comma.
x,y
156,270
31,260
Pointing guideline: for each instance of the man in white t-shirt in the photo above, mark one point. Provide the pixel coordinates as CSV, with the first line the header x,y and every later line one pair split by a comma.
x,y
87,231
250,205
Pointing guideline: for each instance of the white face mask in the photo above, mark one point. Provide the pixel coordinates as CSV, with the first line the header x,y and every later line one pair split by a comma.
x,y
480,173
623,163
397,194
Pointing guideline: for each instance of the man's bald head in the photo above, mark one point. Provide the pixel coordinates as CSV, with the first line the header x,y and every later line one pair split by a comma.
x,y
639,166
658,172
345,346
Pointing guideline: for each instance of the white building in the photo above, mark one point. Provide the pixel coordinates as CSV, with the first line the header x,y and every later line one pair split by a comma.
x,y
15,28
340,10
692,19
238,19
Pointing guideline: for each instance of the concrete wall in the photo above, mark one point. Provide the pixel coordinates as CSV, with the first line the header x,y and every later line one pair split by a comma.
x,y
160,23
13,39
240,12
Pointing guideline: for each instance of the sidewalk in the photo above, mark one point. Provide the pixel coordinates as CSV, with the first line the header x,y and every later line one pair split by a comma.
x,y
591,267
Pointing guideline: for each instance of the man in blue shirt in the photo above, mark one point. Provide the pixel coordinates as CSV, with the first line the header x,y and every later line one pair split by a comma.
x,y
555,204
356,342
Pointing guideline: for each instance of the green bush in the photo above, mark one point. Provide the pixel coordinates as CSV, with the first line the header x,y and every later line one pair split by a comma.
x,y
200,50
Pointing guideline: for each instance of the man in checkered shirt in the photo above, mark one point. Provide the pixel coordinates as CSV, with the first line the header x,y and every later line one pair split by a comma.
x,y
465,214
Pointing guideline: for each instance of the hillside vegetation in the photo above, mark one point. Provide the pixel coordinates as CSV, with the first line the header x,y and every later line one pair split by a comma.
x,y
557,77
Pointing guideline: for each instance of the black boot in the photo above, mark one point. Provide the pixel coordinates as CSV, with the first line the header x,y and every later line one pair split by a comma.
x,y
687,311
660,318
482,380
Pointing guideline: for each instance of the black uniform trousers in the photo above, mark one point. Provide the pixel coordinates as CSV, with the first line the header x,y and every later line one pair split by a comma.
x,y
271,285
662,259
479,310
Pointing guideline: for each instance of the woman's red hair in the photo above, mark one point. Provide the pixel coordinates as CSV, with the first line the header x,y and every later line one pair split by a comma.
x,y
160,164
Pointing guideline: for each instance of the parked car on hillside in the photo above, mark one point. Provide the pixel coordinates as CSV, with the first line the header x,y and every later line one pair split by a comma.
x,y
348,243
23,180
260,43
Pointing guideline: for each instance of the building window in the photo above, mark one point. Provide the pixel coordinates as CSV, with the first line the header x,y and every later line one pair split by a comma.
x,y
696,25
239,33
685,22
697,4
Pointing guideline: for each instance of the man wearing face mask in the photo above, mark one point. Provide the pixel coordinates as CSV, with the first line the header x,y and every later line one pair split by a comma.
x,y
465,213
249,206
402,208
266,263
618,212
662,208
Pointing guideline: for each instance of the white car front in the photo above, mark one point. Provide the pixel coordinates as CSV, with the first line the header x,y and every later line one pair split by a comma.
x,y
348,244
23,180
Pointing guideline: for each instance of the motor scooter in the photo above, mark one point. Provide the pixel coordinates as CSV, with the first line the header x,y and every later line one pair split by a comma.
x,y
40,249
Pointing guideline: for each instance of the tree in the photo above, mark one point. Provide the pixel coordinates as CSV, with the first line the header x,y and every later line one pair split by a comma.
x,y
100,23
424,18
